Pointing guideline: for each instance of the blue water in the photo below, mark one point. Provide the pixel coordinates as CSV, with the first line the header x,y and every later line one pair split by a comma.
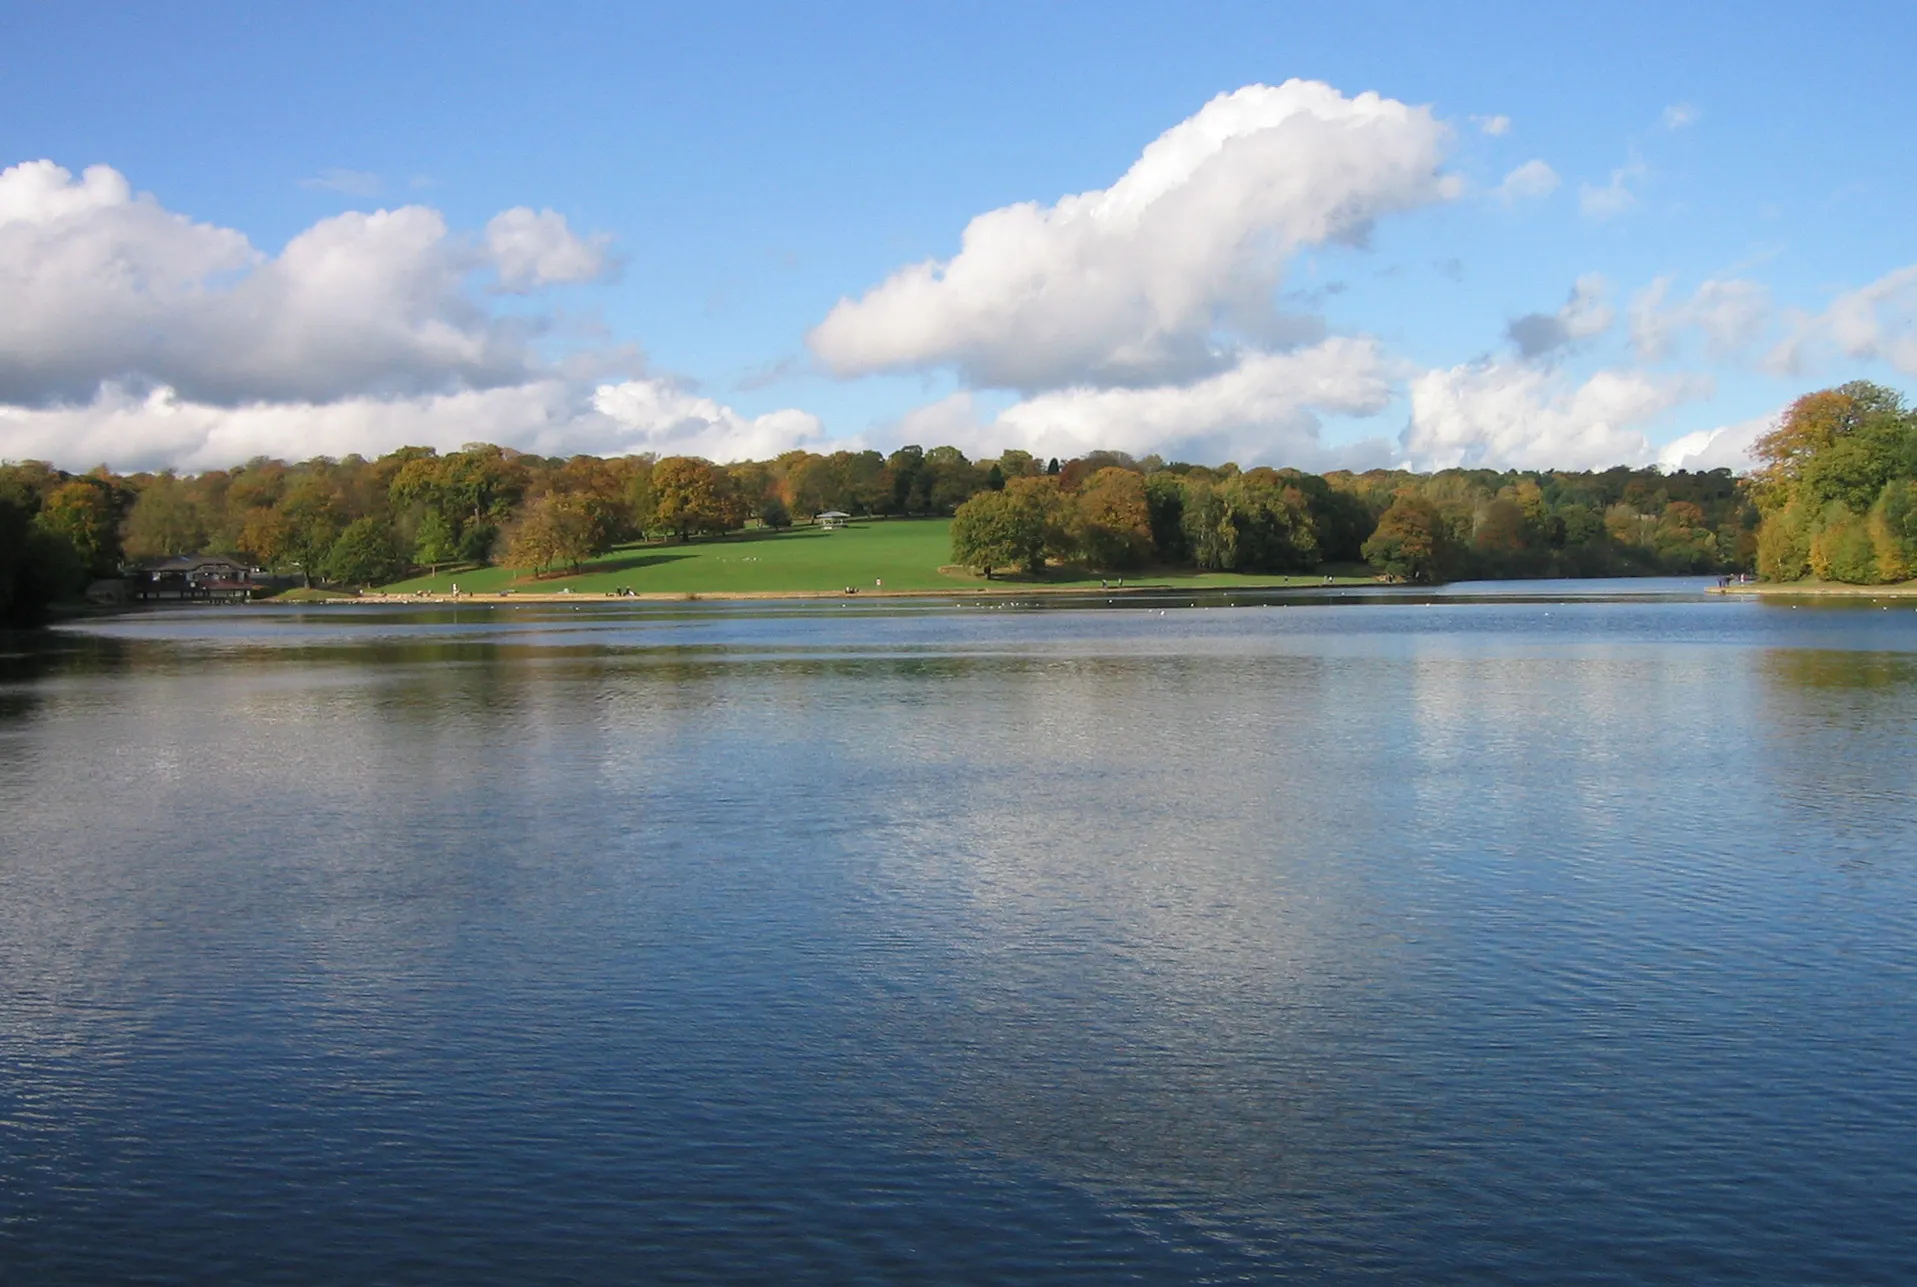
x,y
1551,932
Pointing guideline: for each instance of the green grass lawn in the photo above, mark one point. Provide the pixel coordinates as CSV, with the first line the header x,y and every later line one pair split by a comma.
x,y
906,554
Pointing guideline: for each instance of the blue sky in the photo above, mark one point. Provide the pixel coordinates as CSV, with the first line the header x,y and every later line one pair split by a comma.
x,y
1713,220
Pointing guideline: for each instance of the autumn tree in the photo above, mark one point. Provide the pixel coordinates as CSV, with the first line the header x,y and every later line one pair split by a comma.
x,y
692,495
1411,543
266,536
1831,477
552,531
1111,520
84,512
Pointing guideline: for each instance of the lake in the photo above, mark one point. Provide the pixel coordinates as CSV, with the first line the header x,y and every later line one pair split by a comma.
x,y
1541,931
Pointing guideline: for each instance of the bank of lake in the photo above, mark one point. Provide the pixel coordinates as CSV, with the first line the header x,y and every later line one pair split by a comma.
x,y
890,557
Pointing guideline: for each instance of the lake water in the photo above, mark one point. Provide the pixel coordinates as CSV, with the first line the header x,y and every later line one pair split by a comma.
x,y
1510,934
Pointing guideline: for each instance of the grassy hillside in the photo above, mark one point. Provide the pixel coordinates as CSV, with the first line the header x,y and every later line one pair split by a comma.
x,y
905,554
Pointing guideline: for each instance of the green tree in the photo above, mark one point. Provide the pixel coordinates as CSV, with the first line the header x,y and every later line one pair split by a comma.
x,y
1205,523
436,542
1165,499
986,533
366,553
910,483
953,479
1272,518
1018,527
313,522
38,567
165,520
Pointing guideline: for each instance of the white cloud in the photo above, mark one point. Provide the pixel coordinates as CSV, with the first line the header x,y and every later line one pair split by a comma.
x,y
160,429
352,183
1616,197
537,248
1725,447
1586,313
40,192
1732,314
1679,115
953,420
1149,280
1507,415
1875,322
1528,182
1878,321
659,416
1263,410
102,285
1493,125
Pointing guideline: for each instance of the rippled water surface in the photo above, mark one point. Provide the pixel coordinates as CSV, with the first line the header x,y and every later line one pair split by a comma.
x,y
1554,933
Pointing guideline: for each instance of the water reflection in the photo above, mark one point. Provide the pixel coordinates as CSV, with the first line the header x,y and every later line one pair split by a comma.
x,y
1428,940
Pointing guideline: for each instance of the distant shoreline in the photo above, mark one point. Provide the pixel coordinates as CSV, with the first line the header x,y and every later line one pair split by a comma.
x,y
996,590
1820,589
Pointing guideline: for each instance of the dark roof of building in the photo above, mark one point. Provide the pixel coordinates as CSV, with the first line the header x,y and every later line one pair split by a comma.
x,y
188,562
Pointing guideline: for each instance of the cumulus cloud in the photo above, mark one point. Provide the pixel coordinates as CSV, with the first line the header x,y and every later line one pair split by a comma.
x,y
1732,315
1725,447
1493,125
103,285
1528,182
954,420
129,429
1155,278
1878,321
1508,415
1264,410
538,248
1615,198
1584,314
660,416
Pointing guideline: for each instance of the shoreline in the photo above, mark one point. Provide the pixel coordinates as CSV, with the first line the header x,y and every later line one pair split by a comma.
x,y
1819,590
1004,589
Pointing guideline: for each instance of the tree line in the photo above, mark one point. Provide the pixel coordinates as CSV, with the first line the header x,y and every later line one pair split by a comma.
x,y
355,521
1107,511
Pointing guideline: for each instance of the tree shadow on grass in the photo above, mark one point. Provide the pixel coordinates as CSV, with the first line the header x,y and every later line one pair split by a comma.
x,y
632,561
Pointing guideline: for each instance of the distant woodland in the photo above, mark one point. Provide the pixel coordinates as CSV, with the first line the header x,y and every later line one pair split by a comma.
x,y
1836,498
